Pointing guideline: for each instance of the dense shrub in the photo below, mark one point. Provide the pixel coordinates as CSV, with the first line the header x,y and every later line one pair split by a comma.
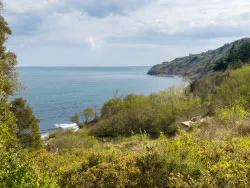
x,y
66,139
153,114
236,57
234,89
184,161
214,153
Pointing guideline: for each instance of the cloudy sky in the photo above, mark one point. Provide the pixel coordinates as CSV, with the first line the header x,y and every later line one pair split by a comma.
x,y
120,32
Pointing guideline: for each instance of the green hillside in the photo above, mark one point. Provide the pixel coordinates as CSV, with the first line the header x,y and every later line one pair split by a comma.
x,y
196,65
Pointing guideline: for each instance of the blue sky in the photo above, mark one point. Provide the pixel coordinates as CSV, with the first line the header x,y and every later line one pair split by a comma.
x,y
120,32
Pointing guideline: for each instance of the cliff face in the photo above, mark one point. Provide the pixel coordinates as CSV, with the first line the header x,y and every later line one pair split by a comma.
x,y
194,65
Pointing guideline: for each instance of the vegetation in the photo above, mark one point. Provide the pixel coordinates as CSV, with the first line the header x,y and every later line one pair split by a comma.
x,y
184,161
154,114
137,140
28,130
195,66
213,152
88,115
236,58
15,167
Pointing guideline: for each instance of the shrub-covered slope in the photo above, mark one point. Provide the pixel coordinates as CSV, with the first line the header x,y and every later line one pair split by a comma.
x,y
196,65
214,152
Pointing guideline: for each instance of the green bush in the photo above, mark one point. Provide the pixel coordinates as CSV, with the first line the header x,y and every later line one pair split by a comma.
x,y
183,161
69,139
153,114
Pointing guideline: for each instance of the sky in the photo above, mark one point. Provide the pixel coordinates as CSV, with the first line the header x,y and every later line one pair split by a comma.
x,y
120,32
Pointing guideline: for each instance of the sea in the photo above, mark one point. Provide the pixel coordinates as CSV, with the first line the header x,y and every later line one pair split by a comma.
x,y
57,93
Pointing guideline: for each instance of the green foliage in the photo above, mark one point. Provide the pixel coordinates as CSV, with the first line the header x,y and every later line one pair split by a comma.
x,y
221,65
88,114
244,51
15,165
233,55
75,119
205,87
237,56
66,139
194,66
153,114
7,63
214,153
232,116
235,89
28,130
111,107
184,161
174,106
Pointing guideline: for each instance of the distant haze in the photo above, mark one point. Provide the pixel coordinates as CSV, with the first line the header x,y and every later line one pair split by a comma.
x,y
119,32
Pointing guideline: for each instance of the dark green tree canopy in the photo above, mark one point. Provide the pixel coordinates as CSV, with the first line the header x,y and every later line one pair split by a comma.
x,y
27,124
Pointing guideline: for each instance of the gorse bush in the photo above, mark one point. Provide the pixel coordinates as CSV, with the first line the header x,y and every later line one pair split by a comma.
x,y
117,149
184,161
215,152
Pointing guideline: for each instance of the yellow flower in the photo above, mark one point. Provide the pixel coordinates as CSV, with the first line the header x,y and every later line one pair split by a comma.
x,y
228,176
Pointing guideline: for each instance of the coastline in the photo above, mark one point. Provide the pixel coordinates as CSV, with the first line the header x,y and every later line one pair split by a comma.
x,y
64,126
184,78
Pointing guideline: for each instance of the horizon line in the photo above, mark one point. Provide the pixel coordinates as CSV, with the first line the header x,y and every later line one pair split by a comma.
x,y
23,66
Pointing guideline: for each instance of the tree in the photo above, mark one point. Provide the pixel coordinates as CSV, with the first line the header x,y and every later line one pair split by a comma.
x,y
88,114
244,51
27,124
234,89
206,85
233,58
75,119
220,65
15,167
233,54
111,107
8,61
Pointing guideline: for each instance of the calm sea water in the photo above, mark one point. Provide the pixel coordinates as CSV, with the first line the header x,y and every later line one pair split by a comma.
x,y
57,93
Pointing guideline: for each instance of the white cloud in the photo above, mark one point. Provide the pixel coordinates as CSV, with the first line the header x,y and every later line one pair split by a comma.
x,y
94,42
209,22
21,6
162,16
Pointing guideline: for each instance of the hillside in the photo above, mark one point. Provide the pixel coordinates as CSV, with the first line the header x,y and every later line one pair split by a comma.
x,y
195,65
138,142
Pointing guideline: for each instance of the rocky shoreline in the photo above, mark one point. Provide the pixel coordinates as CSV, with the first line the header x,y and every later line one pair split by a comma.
x,y
184,78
